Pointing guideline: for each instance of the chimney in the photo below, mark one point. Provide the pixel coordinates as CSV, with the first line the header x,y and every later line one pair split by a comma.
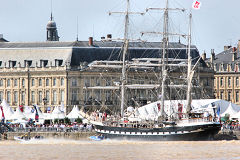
x,y
109,37
204,56
90,41
212,55
234,54
227,47
1,36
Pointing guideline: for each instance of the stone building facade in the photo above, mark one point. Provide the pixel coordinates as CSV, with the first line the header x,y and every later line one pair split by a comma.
x,y
226,78
51,73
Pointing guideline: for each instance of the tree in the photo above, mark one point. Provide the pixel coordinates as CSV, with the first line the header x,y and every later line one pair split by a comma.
x,y
78,120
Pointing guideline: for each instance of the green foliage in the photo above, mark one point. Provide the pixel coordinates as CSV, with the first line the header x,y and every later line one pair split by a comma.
x,y
56,121
78,120
67,120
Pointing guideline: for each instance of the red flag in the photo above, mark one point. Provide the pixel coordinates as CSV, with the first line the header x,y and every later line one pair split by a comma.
x,y
159,106
196,4
21,108
180,108
2,112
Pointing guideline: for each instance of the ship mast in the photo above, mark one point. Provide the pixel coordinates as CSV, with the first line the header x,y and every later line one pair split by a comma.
x,y
165,45
190,72
125,49
165,35
126,42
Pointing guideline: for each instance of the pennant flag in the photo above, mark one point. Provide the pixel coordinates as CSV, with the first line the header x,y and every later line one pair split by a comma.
x,y
36,115
196,4
21,108
218,111
3,117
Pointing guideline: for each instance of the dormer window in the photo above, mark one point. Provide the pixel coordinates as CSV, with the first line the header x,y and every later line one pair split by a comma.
x,y
12,63
58,62
43,63
28,63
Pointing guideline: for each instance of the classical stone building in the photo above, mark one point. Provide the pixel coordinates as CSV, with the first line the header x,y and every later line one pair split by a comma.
x,y
52,72
226,78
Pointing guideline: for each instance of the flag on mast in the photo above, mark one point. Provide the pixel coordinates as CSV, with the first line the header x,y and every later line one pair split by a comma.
x,y
196,4
36,114
3,117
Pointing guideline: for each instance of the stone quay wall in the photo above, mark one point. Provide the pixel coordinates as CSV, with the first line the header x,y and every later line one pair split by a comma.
x,y
57,135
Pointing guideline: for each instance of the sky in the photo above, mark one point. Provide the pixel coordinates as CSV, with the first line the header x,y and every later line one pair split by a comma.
x,y
214,25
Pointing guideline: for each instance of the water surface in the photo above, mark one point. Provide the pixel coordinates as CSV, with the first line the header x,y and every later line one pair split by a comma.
x,y
51,149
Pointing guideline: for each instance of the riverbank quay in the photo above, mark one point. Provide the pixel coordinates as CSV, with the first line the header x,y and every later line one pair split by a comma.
x,y
222,135
228,135
55,135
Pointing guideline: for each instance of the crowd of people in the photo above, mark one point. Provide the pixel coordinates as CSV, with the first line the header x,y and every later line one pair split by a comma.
x,y
230,125
57,127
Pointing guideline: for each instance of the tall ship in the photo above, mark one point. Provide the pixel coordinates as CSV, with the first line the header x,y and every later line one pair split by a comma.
x,y
163,120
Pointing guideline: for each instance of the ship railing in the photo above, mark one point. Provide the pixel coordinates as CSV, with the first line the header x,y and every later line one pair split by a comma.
x,y
197,120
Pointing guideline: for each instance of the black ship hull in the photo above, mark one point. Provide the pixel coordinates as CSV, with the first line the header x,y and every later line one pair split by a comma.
x,y
173,133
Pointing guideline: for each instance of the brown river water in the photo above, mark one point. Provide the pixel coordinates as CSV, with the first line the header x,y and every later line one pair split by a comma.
x,y
51,149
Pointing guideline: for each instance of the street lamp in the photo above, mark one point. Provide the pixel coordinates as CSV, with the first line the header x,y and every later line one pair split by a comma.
x,y
44,102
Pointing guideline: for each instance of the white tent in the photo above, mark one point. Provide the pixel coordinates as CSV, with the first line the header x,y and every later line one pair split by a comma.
x,y
57,113
7,110
171,106
18,115
27,110
230,110
237,115
32,114
74,114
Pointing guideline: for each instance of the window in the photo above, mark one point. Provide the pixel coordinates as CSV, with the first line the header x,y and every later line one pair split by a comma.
x,y
108,95
54,97
98,95
229,81
1,82
23,97
74,95
15,97
237,81
108,81
86,94
54,81
23,82
97,82
221,95
15,82
40,82
237,96
8,83
8,96
47,82
87,82
221,81
62,81
33,82
33,96
47,96
229,96
40,98
62,95
74,82
1,96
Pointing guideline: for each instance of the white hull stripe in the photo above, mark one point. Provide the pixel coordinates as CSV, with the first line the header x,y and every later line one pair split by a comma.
x,y
144,133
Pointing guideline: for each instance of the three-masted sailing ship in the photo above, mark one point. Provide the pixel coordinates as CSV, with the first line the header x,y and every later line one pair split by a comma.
x,y
188,127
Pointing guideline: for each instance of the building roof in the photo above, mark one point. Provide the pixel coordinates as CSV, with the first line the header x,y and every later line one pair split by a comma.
x,y
74,53
226,56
